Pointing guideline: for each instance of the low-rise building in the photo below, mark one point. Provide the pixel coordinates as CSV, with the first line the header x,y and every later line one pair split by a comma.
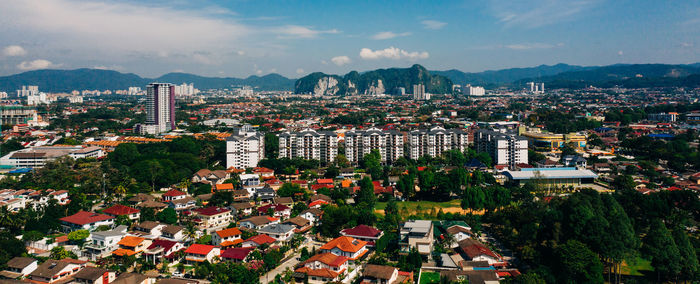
x,y
345,246
198,253
280,232
418,235
212,218
363,233
19,267
84,220
227,237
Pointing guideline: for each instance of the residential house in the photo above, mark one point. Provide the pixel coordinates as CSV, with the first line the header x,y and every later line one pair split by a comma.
x,y
131,245
103,243
288,201
476,251
416,234
94,275
280,232
155,205
257,222
198,253
256,241
19,267
173,233
212,218
236,254
52,271
263,172
173,194
133,278
265,194
151,229
380,274
345,246
574,161
324,268
227,237
162,249
121,210
459,233
312,214
317,204
241,195
250,182
182,204
210,177
84,220
363,233
300,224
278,210
223,187
242,208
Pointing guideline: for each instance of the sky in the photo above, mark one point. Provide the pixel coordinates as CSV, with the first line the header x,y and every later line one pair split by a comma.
x,y
239,38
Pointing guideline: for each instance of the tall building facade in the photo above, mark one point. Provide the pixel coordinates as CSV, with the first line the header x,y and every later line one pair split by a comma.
x,y
28,91
309,144
245,148
470,90
435,141
419,93
160,109
359,143
505,149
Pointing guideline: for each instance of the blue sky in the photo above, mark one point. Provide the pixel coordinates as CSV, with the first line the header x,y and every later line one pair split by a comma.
x,y
294,38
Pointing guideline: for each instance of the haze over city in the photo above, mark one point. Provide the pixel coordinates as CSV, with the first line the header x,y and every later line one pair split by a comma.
x,y
294,38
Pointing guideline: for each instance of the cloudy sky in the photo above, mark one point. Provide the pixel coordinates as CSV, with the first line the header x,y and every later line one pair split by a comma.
x,y
293,38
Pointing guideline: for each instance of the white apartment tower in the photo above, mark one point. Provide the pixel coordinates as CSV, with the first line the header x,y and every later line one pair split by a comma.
x,y
419,93
505,149
245,148
309,144
360,143
436,141
470,90
160,109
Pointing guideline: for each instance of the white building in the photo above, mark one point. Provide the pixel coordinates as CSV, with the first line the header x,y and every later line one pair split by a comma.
x,y
186,90
37,99
309,144
245,148
133,91
39,156
359,143
435,141
536,88
28,91
505,149
470,90
160,109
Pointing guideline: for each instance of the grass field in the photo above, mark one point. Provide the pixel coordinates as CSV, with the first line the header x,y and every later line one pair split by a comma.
x,y
426,206
636,267
429,277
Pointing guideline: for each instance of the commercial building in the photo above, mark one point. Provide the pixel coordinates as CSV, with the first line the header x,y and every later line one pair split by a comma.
x,y
663,117
505,149
245,148
309,144
552,177
551,141
359,143
435,141
160,109
39,156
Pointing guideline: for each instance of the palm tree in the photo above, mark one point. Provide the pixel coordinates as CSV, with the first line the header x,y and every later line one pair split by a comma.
x,y
190,231
120,190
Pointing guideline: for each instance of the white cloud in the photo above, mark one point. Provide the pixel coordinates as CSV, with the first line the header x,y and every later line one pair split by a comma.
x,y
533,14
35,64
341,60
392,53
433,25
389,35
300,71
258,72
293,31
273,70
620,53
14,50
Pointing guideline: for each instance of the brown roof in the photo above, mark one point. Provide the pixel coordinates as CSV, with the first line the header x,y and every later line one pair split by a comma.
x,y
474,276
257,220
176,281
283,200
456,229
49,268
315,211
152,204
182,200
141,197
129,278
242,205
90,273
378,271
172,229
147,225
299,221
20,262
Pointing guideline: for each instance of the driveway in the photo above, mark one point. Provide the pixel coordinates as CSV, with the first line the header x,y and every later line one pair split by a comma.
x,y
289,263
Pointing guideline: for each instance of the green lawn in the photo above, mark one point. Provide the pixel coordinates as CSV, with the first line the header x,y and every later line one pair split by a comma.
x,y
636,267
429,277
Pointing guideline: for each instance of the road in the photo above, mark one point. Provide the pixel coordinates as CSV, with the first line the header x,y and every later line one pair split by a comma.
x,y
290,262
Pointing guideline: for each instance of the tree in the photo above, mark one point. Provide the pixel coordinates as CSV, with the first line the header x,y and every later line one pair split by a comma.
x,y
78,236
366,193
661,248
372,163
575,263
168,216
688,256
60,252
32,236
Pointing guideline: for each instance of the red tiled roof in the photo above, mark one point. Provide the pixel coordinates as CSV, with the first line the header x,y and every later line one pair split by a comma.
x,y
261,239
199,249
165,244
276,207
323,272
118,210
174,192
363,231
236,253
318,186
210,211
324,181
317,202
84,217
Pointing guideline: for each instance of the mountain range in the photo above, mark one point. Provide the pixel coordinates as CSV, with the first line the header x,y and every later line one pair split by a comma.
x,y
554,76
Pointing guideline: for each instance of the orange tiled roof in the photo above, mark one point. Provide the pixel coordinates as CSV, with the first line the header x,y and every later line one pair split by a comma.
x,y
345,243
328,259
123,252
231,243
130,241
224,186
228,232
